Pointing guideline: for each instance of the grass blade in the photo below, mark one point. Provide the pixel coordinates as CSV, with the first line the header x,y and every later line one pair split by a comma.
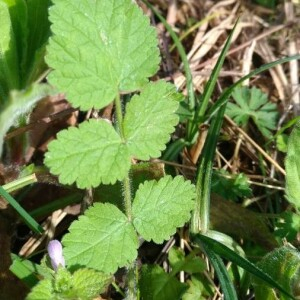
x,y
223,276
210,85
185,62
24,270
200,216
230,255
183,56
32,224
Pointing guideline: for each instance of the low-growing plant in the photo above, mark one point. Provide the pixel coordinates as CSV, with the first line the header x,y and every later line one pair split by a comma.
x,y
110,52
104,52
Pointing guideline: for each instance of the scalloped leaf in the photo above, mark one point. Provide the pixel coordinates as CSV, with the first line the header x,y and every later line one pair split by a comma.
x,y
84,284
102,239
43,290
150,119
100,48
90,154
253,104
89,283
159,207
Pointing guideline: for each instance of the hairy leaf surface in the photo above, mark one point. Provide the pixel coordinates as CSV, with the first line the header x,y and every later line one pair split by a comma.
x,y
161,206
100,48
84,284
89,283
102,239
43,290
90,154
283,266
150,119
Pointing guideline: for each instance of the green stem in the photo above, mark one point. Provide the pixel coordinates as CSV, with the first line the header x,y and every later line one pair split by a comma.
x,y
119,113
131,278
126,180
131,281
127,197
32,224
19,183
118,289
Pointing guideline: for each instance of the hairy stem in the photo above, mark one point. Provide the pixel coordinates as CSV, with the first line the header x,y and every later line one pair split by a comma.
x,y
119,114
126,180
131,278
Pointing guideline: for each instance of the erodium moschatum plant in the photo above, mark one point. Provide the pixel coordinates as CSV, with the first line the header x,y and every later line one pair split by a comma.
x,y
99,51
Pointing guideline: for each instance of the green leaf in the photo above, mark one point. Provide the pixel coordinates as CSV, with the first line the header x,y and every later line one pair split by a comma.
x,y
19,18
284,127
210,86
159,207
230,188
43,290
89,283
38,34
200,215
174,149
84,284
263,292
195,291
25,270
222,273
156,284
230,255
90,154
267,3
253,103
9,75
292,166
62,283
288,225
100,48
150,119
281,142
19,103
182,53
282,265
102,239
138,174
190,263
227,92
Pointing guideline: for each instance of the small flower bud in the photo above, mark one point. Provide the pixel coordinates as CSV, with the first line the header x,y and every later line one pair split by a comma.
x,y
56,255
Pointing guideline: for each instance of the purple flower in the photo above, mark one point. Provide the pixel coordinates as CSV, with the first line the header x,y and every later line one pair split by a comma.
x,y
56,255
